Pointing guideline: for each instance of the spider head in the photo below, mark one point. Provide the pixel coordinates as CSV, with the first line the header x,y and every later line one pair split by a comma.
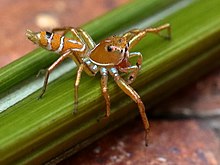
x,y
110,51
115,44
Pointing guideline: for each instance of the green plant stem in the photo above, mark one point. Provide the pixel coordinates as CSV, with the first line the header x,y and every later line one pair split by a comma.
x,y
36,131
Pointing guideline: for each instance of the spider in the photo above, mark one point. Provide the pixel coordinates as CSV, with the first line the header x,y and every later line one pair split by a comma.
x,y
110,56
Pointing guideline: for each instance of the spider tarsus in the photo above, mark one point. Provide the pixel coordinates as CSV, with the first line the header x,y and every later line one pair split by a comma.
x,y
75,109
146,137
40,97
146,144
100,118
107,114
146,140
167,37
40,72
130,79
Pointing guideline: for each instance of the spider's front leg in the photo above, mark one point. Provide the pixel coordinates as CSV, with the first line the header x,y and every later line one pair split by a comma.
x,y
134,96
133,69
134,36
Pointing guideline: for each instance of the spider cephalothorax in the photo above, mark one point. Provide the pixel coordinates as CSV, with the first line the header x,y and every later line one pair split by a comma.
x,y
111,51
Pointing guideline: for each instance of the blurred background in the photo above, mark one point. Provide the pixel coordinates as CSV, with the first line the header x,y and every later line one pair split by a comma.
x,y
185,127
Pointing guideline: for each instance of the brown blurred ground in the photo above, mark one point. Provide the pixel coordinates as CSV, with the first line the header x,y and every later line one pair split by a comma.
x,y
185,127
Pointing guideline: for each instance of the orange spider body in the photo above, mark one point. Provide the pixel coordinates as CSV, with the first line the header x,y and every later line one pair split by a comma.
x,y
58,43
110,56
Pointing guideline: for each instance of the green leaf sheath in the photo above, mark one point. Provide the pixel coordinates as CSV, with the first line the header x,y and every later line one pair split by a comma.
x,y
38,130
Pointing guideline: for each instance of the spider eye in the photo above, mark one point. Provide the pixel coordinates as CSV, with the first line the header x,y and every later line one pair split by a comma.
x,y
109,48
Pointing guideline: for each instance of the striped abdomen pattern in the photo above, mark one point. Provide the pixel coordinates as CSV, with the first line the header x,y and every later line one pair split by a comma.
x,y
59,43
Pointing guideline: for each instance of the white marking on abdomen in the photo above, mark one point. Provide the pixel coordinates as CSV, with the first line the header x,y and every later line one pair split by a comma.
x,y
49,47
61,45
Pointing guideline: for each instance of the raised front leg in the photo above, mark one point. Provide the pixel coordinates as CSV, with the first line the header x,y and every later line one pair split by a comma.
x,y
134,96
134,36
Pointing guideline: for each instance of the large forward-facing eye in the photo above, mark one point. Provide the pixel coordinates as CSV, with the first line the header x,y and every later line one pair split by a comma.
x,y
109,48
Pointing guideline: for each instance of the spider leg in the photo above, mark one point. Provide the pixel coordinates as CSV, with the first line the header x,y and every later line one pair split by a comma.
x,y
134,68
72,30
133,73
64,30
134,36
104,80
87,38
50,69
78,77
134,96
139,60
